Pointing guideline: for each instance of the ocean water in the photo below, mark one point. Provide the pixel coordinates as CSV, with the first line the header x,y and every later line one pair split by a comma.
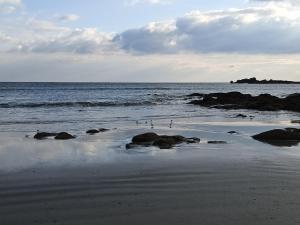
x,y
127,109
75,107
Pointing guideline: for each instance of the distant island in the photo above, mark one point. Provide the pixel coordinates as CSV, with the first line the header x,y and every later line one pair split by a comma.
x,y
253,80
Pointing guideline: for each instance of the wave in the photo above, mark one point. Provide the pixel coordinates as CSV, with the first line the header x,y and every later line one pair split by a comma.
x,y
72,104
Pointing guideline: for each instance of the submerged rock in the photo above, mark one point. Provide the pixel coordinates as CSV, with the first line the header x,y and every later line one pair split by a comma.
x,y
232,132
216,142
93,131
64,136
96,131
240,116
280,137
295,121
161,141
43,135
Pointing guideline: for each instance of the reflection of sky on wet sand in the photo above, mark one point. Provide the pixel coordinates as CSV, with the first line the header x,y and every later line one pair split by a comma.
x,y
18,152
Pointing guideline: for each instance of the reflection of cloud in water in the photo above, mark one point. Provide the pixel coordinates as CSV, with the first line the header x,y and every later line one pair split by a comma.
x,y
23,153
19,153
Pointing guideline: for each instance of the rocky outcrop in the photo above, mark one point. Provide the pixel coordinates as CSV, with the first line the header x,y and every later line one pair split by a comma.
x,y
43,135
253,80
216,142
237,100
64,136
280,137
160,141
96,131
57,136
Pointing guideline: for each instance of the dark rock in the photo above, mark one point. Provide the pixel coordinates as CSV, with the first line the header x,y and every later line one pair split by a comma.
x,y
103,130
43,135
64,136
280,137
96,131
237,100
164,143
295,121
216,142
253,80
145,138
196,95
161,141
232,132
93,131
241,116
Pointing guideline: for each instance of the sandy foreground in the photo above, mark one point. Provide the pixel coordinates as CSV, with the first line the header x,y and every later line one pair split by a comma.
x,y
183,192
82,182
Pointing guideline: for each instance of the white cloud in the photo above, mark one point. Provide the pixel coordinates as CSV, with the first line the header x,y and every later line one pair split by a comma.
x,y
268,29
9,6
152,2
254,30
68,18
10,2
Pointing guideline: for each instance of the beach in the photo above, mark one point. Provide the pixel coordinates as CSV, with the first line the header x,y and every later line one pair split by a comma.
x,y
94,179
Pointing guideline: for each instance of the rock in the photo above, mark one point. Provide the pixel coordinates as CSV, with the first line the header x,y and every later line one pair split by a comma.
x,y
253,80
64,136
96,131
196,95
164,143
43,135
93,131
295,121
280,137
103,130
216,142
161,141
232,132
237,100
145,138
241,116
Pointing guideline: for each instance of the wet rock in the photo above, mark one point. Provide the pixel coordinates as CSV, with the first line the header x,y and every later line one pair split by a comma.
x,y
43,135
232,132
241,116
237,100
64,136
96,131
145,138
93,131
103,130
161,141
196,95
295,121
216,142
280,137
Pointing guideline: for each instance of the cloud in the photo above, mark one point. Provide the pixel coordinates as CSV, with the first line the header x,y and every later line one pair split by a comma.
x,y
68,18
267,29
79,41
251,30
9,6
151,2
10,2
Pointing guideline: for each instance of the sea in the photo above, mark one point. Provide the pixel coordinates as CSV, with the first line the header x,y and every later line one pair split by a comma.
x,y
129,109
75,107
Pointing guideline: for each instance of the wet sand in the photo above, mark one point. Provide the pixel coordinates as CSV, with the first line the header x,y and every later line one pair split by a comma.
x,y
199,191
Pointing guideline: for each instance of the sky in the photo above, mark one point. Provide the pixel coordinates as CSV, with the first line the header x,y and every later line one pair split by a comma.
x,y
149,40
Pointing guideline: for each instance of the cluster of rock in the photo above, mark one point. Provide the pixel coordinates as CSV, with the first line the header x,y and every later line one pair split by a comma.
x,y
253,80
64,135
237,100
57,136
160,141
